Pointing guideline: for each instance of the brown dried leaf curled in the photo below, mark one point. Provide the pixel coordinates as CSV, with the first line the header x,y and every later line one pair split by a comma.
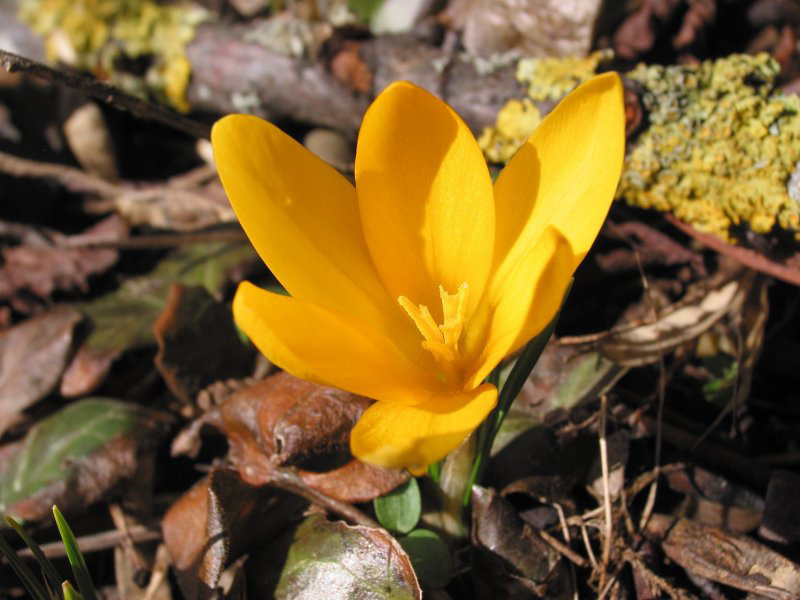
x,y
43,269
512,561
284,420
217,520
197,342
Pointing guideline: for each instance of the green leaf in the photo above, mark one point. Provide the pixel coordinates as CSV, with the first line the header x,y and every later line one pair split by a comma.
x,y
69,592
430,556
47,567
399,510
364,9
124,319
75,557
29,580
321,559
54,449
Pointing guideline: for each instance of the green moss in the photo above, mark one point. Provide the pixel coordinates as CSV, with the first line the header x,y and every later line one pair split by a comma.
x,y
96,34
720,148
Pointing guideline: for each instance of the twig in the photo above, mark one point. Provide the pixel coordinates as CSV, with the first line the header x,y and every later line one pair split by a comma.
x,y
106,93
662,383
288,480
160,570
663,585
80,181
165,240
587,543
562,548
70,177
745,256
98,541
609,525
141,569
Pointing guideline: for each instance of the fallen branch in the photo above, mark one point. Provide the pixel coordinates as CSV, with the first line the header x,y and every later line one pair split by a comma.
x,y
106,93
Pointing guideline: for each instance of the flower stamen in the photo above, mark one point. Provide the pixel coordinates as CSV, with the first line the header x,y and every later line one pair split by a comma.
x,y
441,340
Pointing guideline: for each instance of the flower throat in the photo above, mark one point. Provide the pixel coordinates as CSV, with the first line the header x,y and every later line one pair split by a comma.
x,y
441,340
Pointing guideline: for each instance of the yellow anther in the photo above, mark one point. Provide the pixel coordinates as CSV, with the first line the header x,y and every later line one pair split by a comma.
x,y
441,340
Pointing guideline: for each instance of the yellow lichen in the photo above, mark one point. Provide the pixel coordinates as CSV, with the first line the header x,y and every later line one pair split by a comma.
x,y
548,79
515,122
720,147
552,78
98,34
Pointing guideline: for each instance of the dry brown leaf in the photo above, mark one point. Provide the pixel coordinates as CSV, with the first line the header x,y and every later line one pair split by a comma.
x,y
286,421
726,558
86,371
32,358
174,208
217,520
644,344
197,342
42,270
511,560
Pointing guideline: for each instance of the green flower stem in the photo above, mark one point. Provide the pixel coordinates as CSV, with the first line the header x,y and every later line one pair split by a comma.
x,y
511,388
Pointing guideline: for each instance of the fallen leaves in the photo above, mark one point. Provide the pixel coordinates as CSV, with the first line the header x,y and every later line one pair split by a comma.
x,y
53,265
197,342
333,560
512,558
733,560
75,456
285,421
646,343
220,517
33,355
123,319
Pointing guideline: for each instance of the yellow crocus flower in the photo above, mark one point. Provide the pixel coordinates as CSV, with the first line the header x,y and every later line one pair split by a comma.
x,y
412,285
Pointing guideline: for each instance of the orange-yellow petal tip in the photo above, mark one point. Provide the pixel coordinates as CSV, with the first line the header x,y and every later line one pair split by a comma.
x,y
413,437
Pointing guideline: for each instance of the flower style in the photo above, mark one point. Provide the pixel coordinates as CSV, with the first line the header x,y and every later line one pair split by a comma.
x,y
412,285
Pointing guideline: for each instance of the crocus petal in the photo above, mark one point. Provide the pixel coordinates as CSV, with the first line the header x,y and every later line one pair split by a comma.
x,y
301,216
563,179
393,435
328,347
425,197
533,293
565,175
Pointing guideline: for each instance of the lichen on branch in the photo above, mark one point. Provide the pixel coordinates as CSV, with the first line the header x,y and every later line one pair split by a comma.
x,y
104,35
721,146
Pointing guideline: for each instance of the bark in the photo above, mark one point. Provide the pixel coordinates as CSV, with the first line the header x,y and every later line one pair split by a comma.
x,y
232,75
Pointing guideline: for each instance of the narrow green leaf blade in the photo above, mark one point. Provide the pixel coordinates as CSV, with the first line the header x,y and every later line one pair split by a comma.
x,y
69,592
28,578
47,567
75,557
